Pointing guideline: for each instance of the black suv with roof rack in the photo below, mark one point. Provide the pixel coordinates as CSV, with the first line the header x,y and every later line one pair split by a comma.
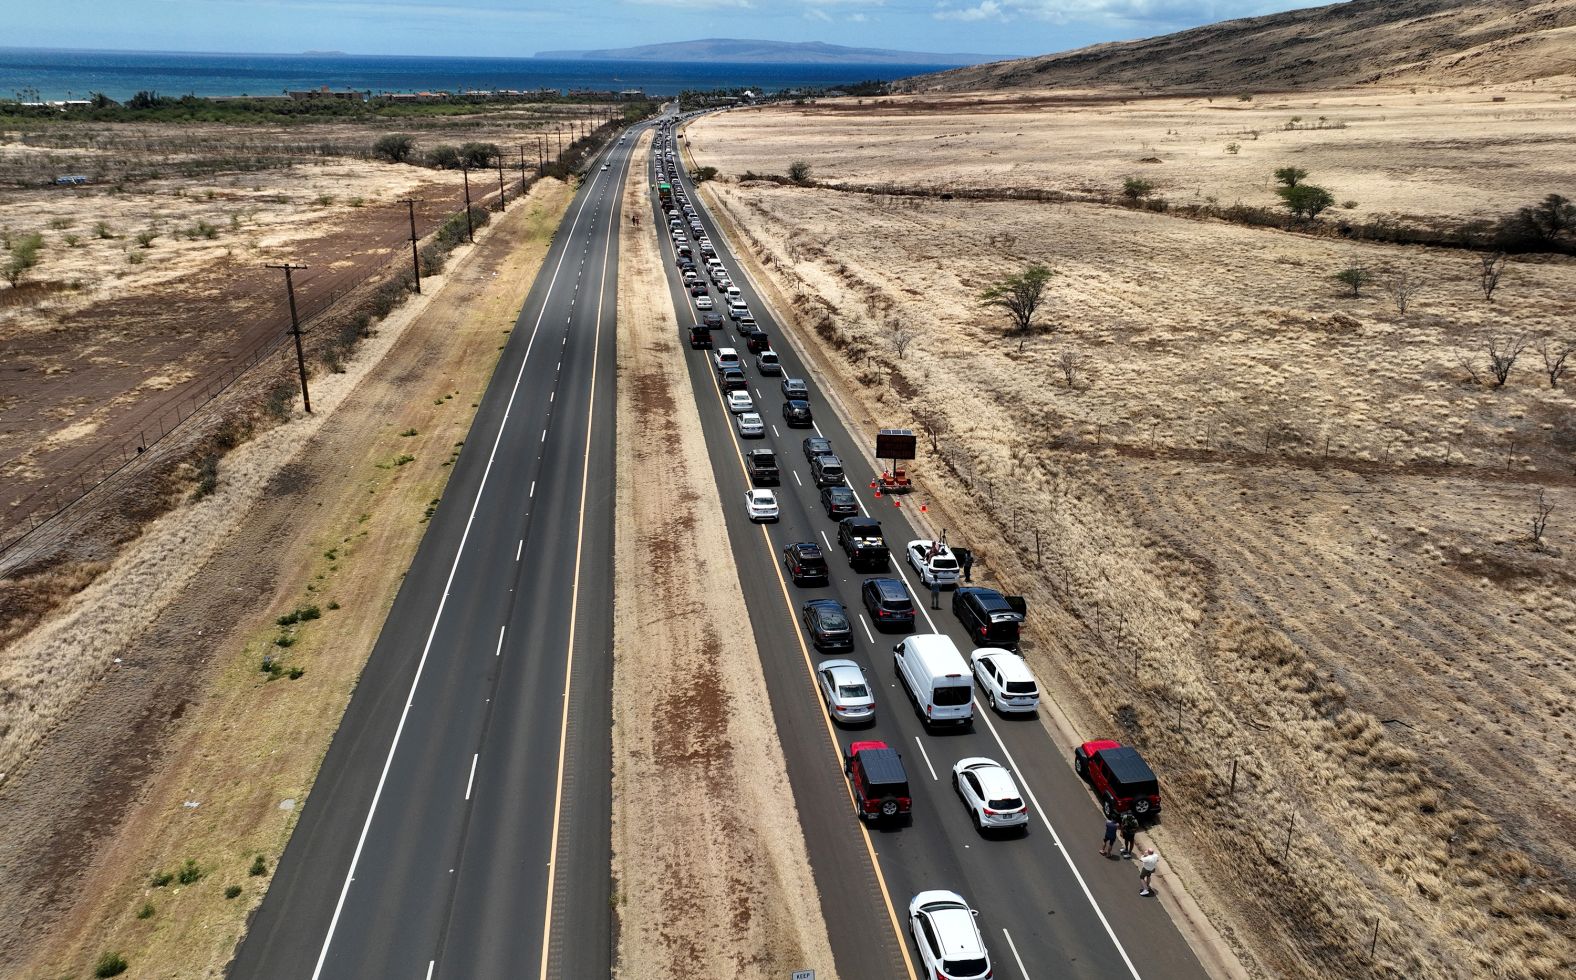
x,y
992,619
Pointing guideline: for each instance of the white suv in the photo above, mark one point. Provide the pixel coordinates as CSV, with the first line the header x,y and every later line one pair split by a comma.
x,y
1005,680
990,794
949,941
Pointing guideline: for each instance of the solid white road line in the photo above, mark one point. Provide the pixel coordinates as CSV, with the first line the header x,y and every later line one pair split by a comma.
x,y
532,495
521,546
499,651
471,781
869,635
926,756
426,650
796,477
828,542
431,964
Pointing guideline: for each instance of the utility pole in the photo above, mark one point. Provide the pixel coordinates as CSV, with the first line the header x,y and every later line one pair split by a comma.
x,y
415,259
295,331
500,181
558,131
470,231
522,168
541,159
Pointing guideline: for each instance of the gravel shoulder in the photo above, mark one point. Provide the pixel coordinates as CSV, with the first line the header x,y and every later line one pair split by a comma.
x,y
711,871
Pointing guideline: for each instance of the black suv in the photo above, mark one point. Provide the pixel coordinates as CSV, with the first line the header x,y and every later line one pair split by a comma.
x,y
991,618
839,502
796,413
762,467
827,470
713,320
888,603
875,771
861,540
806,563
816,446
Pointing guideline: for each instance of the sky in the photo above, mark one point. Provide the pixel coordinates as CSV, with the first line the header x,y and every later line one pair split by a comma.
x,y
520,28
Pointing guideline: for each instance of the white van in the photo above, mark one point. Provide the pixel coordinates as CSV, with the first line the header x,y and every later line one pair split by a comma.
x,y
732,292
938,681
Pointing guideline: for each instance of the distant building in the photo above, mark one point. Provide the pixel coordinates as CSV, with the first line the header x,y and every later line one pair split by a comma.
x,y
326,93
632,94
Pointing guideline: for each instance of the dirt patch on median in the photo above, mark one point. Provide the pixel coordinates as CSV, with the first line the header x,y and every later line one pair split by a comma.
x,y
712,875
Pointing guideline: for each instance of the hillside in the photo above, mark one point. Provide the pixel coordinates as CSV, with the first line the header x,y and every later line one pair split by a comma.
x,y
1402,42
768,52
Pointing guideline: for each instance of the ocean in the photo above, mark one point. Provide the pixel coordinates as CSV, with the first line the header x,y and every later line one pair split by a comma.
x,y
33,74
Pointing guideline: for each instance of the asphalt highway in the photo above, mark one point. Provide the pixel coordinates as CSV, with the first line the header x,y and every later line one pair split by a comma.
x,y
459,826
1049,905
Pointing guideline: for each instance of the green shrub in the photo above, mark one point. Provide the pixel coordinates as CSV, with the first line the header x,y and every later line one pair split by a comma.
x,y
333,605
395,147
24,255
101,230
72,241
296,673
145,238
207,476
190,873
1306,200
799,172
161,878
109,965
288,619
1137,188
309,613
231,891
284,640
259,867
146,912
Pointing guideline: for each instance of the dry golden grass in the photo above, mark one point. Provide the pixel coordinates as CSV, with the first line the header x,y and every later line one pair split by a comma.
x,y
249,742
698,773
1267,523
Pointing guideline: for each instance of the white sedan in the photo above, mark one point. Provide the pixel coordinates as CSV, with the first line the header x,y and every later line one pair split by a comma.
x,y
933,562
761,505
948,938
751,426
703,302
990,794
1005,679
845,691
740,402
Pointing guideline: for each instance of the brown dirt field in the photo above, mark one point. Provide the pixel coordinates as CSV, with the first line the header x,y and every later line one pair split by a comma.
x,y
700,773
107,338
313,512
1266,523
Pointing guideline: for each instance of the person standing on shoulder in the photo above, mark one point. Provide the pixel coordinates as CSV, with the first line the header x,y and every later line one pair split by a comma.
x,y
935,594
1109,842
1146,871
966,557
1129,831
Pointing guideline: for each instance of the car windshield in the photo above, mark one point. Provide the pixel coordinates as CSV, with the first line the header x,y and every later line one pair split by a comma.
x,y
1019,687
852,691
951,697
963,968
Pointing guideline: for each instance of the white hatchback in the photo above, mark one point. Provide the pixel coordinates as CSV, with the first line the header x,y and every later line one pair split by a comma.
x,y
990,794
948,939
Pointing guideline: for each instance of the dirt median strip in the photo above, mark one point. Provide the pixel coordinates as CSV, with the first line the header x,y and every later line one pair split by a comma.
x,y
713,878
185,749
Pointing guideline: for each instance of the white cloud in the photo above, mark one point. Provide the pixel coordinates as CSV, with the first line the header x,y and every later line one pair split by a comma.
x,y
858,18
817,14
985,10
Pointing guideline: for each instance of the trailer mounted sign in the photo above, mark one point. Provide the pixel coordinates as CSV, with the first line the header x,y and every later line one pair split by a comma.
x,y
896,444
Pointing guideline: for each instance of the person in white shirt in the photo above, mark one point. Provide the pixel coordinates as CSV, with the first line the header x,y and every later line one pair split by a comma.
x,y
1146,871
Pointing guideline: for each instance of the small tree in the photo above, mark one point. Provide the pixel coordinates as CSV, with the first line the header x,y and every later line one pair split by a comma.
x,y
1502,356
799,172
899,336
1137,188
479,155
1355,276
1554,355
1539,225
1071,363
702,174
1233,148
1021,296
1541,509
1493,266
395,147
1290,176
1305,200
1402,288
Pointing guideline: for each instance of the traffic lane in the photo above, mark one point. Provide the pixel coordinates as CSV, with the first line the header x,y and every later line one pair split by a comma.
x,y
861,936
1069,791
395,911
311,876
503,873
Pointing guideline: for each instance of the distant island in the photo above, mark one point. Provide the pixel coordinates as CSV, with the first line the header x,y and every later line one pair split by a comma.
x,y
768,52
323,54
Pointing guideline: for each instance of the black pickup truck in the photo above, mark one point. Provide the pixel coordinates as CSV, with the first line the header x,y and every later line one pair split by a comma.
x,y
762,467
861,540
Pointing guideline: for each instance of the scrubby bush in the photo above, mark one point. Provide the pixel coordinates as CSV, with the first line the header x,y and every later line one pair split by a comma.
x,y
259,867
231,891
1305,200
703,174
109,965
445,157
395,147
1290,176
478,155
190,873
24,255
1538,226
1137,188
799,172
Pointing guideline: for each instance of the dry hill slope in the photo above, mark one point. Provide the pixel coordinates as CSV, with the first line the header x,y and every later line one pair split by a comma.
x,y
1448,42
